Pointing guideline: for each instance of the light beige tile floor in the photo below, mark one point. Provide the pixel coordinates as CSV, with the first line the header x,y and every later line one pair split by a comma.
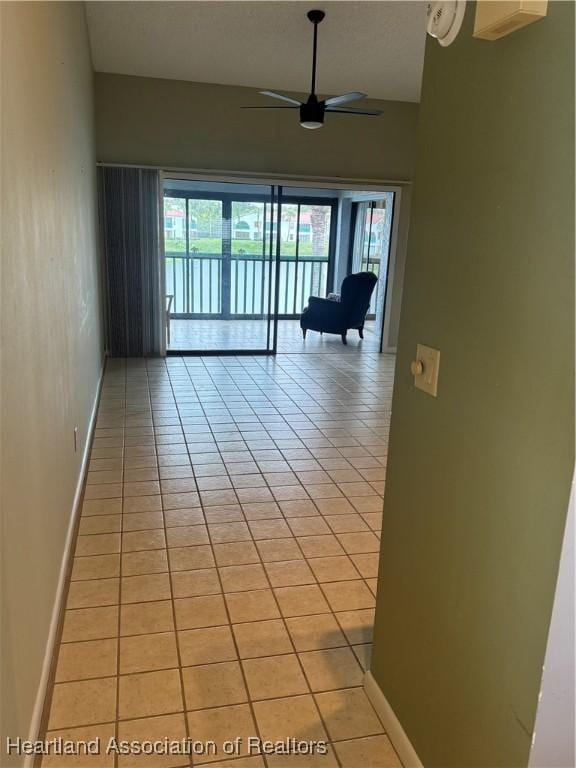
x,y
223,583
209,334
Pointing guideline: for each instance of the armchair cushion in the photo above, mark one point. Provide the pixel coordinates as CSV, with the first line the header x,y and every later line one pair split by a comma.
x,y
324,315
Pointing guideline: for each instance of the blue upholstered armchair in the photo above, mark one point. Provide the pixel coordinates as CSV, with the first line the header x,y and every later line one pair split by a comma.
x,y
328,316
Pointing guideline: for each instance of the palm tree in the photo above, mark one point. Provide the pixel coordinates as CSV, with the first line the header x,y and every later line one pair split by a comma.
x,y
289,216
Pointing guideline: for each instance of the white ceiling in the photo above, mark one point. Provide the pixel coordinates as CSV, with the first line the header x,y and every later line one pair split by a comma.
x,y
376,47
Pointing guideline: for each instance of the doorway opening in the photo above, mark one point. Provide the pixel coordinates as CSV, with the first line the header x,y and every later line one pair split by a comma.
x,y
241,260
370,247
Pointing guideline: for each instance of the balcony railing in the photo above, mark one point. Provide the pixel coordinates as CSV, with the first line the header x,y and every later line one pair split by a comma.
x,y
206,285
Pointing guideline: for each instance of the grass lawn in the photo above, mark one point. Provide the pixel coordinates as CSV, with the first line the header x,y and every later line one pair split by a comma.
x,y
207,245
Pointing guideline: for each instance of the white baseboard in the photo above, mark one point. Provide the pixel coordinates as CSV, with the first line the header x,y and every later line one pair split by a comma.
x,y
392,725
36,721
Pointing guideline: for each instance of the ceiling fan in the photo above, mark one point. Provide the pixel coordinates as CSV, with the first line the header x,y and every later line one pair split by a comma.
x,y
312,110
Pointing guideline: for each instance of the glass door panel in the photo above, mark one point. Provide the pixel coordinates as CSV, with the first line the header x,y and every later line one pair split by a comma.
x,y
289,246
220,266
249,263
314,252
175,252
193,255
305,242
205,247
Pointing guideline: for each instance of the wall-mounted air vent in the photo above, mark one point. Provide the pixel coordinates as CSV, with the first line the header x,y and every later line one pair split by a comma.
x,y
497,19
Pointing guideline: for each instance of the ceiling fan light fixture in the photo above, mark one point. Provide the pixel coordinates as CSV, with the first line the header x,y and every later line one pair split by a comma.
x,y
312,124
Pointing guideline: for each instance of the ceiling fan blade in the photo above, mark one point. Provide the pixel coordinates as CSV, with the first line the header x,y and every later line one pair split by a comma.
x,y
281,96
269,107
346,97
354,111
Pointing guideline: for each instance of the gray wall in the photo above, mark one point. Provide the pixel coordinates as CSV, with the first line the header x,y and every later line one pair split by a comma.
x,y
51,328
478,478
171,123
554,745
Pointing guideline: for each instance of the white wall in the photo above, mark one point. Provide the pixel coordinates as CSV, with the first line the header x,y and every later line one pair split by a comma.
x,y
553,745
51,343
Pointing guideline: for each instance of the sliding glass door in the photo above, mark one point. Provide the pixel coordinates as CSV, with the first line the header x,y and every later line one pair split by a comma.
x,y
237,258
220,256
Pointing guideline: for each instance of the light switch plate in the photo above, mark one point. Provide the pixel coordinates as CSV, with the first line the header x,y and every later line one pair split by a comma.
x,y
427,381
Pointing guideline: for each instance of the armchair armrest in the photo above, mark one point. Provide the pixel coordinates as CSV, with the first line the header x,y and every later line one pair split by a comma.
x,y
315,302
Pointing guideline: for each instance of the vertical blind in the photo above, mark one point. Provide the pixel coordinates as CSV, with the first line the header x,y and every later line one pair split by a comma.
x,y
129,223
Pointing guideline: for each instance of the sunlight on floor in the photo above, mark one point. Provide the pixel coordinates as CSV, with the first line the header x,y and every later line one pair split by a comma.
x,y
220,335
